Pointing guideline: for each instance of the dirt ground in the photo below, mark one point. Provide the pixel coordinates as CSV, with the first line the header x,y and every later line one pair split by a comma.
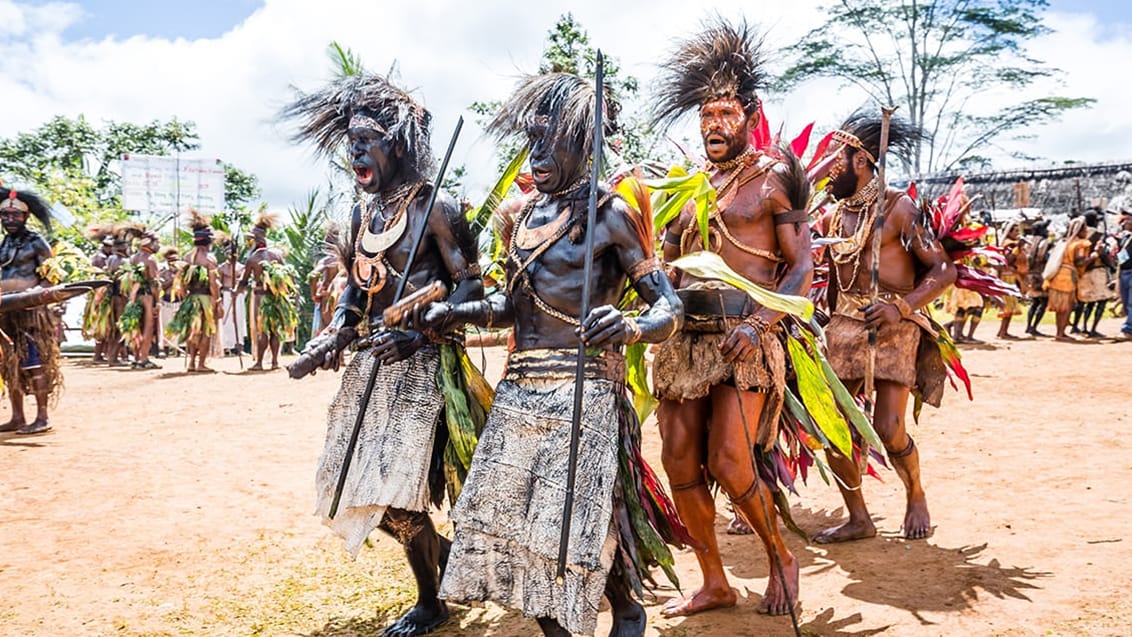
x,y
166,503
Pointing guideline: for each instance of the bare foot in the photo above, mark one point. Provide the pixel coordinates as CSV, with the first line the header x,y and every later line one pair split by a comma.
x,y
738,526
40,426
700,601
1064,339
13,425
917,521
849,531
778,600
206,370
258,367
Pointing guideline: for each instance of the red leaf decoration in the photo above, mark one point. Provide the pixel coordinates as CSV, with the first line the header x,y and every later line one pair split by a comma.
x,y
798,146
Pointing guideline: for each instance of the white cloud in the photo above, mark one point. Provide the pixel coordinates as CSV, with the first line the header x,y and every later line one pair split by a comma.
x,y
453,52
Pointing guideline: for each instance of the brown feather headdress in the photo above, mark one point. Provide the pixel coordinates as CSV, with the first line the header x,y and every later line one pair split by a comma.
x,y
324,116
566,100
722,61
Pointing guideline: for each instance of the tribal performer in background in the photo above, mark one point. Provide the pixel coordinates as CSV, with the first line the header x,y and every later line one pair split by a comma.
x,y
234,328
323,281
197,285
142,286
273,298
118,259
509,519
914,270
728,342
99,307
1036,255
428,401
28,342
1013,272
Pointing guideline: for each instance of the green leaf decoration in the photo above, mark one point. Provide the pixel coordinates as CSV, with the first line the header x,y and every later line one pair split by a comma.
x,y
479,217
708,265
676,190
845,402
637,377
818,398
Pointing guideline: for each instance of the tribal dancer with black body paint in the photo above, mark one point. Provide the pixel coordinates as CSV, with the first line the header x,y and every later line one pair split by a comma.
x,y
914,270
28,342
509,519
427,394
760,230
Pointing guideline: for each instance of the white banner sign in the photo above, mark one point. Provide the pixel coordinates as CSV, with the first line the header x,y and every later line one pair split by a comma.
x,y
168,185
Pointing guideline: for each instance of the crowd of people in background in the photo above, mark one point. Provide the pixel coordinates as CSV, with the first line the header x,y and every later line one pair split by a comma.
x,y
1078,275
199,304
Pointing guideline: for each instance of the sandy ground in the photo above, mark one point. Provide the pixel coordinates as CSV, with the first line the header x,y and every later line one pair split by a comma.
x,y
168,503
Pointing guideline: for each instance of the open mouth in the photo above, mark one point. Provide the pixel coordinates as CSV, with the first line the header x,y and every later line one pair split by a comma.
x,y
540,174
716,142
363,173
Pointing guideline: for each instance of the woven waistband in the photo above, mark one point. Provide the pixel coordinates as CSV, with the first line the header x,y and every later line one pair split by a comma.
x,y
563,364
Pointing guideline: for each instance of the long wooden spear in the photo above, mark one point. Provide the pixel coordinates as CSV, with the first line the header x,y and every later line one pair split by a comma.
x,y
363,403
874,278
587,285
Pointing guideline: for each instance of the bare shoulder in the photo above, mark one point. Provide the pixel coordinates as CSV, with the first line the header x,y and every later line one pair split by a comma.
x,y
624,223
902,210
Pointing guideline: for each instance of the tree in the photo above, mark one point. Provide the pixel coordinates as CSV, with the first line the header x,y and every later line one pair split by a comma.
x,y
71,162
568,50
936,60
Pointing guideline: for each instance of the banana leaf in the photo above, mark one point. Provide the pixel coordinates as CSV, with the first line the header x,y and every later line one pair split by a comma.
x,y
480,216
678,189
819,399
845,402
637,377
708,265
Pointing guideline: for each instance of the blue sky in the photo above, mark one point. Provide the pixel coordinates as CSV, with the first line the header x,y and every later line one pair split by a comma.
x,y
1107,11
189,19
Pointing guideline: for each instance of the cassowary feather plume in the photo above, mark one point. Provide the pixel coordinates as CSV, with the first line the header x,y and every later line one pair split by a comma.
x,y
722,61
324,116
566,100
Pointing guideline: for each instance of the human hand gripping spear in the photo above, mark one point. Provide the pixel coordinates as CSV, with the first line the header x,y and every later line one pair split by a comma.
x,y
587,282
363,403
874,275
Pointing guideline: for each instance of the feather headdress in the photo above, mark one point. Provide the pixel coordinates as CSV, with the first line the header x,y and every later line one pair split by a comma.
x,y
566,100
127,230
28,202
197,219
722,61
265,220
324,116
861,130
99,232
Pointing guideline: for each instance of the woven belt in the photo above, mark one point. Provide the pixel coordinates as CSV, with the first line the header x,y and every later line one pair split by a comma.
x,y
563,364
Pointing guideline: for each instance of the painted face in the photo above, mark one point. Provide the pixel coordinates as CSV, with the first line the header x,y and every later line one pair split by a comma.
x,y
13,220
842,176
556,162
725,128
375,160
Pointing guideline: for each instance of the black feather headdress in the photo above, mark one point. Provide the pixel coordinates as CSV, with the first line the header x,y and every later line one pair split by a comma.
x,y
865,125
566,100
324,116
722,61
28,202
